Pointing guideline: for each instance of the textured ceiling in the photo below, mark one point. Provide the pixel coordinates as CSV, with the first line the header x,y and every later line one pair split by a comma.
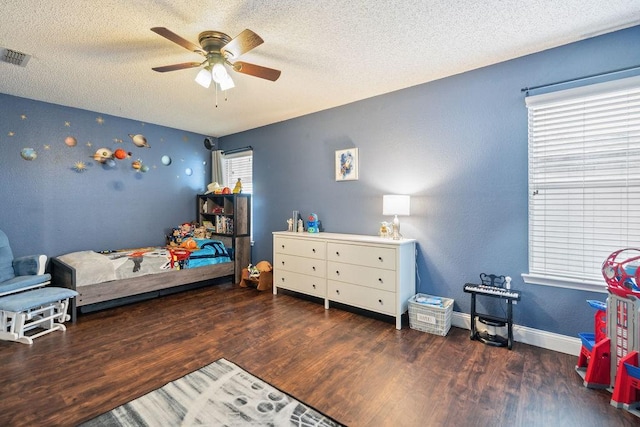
x,y
98,55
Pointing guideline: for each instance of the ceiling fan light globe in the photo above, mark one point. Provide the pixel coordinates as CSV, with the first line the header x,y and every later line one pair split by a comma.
x,y
204,78
219,73
227,83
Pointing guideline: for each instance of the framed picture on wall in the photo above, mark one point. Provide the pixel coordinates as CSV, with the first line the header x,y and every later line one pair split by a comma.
x,y
347,164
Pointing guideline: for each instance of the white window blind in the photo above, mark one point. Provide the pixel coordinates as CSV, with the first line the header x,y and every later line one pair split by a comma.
x,y
584,181
239,165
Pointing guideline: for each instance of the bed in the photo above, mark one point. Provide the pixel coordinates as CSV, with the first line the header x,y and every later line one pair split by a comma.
x,y
105,279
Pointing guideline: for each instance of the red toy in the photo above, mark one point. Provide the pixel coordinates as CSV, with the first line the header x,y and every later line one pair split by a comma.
x,y
621,272
626,393
594,362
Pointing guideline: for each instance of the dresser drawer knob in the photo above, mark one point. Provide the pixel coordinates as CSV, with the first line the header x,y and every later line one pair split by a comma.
x,y
337,273
338,291
313,286
282,262
313,268
282,246
313,250
380,259
282,279
337,253
380,301
380,279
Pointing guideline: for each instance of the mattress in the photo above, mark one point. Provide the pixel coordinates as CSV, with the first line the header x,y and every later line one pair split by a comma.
x,y
96,267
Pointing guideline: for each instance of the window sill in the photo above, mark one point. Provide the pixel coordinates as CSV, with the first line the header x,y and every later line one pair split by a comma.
x,y
564,282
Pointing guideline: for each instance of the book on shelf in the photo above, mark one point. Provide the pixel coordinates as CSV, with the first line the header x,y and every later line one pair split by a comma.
x,y
224,225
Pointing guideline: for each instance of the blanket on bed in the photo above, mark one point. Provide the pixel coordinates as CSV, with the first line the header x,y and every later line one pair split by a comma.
x,y
97,267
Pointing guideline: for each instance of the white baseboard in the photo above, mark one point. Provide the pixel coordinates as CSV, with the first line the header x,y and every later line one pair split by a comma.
x,y
523,334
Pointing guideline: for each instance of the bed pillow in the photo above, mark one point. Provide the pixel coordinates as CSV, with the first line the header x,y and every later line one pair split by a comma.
x,y
91,267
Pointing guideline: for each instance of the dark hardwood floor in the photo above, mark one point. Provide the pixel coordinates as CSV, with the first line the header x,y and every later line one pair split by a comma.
x,y
357,369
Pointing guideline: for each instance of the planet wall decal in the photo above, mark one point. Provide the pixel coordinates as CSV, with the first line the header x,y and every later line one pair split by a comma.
x,y
139,140
28,153
102,155
120,154
166,160
71,141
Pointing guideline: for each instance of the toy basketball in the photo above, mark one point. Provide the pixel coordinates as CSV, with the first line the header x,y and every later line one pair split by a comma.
x,y
620,271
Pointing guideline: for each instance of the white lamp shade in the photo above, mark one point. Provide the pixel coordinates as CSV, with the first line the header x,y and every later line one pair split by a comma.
x,y
219,73
396,205
227,83
204,78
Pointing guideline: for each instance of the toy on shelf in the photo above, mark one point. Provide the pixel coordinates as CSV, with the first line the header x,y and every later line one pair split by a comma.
x,y
214,188
594,361
238,188
313,225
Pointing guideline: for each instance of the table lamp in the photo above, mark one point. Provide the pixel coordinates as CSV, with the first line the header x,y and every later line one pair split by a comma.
x,y
396,205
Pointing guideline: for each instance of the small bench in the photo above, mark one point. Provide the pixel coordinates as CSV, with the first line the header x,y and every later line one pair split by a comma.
x,y
44,308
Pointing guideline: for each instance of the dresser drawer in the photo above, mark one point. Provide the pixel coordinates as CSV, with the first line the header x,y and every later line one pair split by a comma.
x,y
377,278
309,285
311,266
371,256
300,247
360,296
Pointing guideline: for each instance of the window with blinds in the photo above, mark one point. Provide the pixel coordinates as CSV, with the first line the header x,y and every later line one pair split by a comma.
x,y
239,165
584,181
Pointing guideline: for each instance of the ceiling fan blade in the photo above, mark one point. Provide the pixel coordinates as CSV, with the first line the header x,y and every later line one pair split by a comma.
x,y
256,70
243,43
175,67
170,35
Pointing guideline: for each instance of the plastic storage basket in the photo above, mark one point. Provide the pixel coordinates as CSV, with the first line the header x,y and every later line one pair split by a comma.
x,y
428,317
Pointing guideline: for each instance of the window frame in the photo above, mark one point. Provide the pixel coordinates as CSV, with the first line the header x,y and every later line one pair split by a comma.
x,y
588,95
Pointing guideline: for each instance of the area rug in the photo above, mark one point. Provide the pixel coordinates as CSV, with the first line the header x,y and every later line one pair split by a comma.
x,y
219,394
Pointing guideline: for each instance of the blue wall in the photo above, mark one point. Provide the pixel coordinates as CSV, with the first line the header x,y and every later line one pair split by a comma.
x,y
48,207
458,146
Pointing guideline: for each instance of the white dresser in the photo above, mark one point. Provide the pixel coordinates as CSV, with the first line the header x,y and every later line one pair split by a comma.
x,y
368,272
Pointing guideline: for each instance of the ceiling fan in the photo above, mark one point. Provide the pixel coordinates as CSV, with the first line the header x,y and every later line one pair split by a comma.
x,y
219,50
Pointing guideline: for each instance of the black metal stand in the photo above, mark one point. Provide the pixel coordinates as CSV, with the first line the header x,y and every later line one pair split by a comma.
x,y
485,337
492,286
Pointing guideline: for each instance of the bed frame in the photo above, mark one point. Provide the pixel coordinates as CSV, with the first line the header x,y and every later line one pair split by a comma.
x,y
64,276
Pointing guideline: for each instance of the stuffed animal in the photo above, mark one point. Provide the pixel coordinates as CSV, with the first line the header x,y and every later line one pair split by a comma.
x,y
199,232
189,244
175,239
264,266
261,267
186,230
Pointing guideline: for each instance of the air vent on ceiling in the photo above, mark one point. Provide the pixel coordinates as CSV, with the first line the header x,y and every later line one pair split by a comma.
x,y
14,57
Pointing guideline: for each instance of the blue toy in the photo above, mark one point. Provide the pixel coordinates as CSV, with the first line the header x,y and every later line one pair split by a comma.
x,y
313,225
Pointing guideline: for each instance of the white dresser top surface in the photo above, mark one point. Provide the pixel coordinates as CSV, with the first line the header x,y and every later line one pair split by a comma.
x,y
345,237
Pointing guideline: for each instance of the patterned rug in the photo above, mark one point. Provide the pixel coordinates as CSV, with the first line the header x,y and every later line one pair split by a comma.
x,y
220,394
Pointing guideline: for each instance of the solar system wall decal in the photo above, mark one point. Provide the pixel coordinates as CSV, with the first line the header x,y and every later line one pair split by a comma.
x,y
108,156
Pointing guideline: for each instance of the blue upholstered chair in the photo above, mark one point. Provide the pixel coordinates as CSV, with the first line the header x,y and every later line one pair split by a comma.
x,y
22,273
29,308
